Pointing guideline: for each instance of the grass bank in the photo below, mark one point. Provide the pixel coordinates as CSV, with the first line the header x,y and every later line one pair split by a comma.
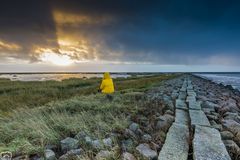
x,y
35,114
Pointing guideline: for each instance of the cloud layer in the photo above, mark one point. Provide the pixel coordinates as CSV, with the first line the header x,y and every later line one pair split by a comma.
x,y
159,32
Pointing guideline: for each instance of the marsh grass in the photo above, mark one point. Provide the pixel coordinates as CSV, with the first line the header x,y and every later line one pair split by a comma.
x,y
35,114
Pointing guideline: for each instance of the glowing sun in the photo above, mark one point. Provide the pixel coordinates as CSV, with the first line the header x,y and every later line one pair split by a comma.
x,y
57,59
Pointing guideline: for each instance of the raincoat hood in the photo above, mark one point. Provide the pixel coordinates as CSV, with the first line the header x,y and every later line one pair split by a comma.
x,y
106,75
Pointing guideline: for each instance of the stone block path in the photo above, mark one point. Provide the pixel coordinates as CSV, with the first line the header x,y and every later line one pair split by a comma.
x,y
189,117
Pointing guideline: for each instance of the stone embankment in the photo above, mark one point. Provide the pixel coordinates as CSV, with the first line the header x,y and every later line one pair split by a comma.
x,y
181,119
206,125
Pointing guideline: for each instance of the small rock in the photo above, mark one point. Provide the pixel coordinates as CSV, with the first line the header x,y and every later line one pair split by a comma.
x,y
49,154
96,144
71,154
212,117
88,140
233,127
146,138
134,127
108,142
164,122
127,145
226,135
103,155
169,112
129,133
80,135
146,151
128,156
232,148
68,144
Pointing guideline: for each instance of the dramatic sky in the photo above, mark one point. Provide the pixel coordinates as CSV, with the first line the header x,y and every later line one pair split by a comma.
x,y
123,35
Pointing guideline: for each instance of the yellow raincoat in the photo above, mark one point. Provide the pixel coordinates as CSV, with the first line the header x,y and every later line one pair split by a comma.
x,y
107,84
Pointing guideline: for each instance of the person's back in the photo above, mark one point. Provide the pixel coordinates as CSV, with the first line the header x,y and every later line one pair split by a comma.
x,y
107,84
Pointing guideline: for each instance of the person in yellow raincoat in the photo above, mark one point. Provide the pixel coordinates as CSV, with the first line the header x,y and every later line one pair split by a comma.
x,y
107,86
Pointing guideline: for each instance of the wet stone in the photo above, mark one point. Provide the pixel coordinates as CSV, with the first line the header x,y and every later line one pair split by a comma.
x,y
180,104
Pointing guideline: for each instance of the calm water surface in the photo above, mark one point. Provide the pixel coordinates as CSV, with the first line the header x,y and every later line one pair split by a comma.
x,y
56,77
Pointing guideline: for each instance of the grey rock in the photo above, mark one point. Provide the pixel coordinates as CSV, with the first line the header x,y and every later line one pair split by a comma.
x,y
69,143
72,154
127,145
226,135
208,104
176,144
49,154
108,142
128,156
212,117
207,144
134,127
233,116
164,122
233,127
103,155
96,144
80,135
130,133
88,140
169,112
146,137
146,151
232,148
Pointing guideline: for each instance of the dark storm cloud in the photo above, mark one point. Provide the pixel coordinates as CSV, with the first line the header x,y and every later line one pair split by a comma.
x,y
163,31
27,23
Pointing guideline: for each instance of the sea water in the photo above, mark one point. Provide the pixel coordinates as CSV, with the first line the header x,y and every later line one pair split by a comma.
x,y
232,79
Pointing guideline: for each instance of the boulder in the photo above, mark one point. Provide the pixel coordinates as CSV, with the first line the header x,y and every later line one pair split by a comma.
x,y
232,148
146,151
233,116
164,122
233,127
226,135
130,134
49,154
72,154
208,104
69,143
169,112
